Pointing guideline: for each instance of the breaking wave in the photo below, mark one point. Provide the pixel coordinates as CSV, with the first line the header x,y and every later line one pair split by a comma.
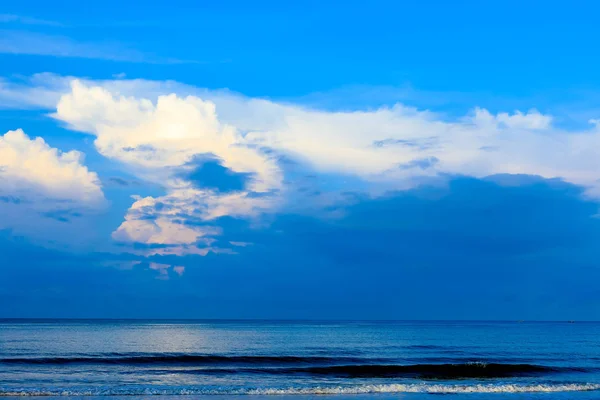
x,y
438,371
331,390
416,371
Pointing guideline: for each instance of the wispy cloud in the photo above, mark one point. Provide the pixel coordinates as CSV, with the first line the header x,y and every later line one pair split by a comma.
x,y
19,42
20,19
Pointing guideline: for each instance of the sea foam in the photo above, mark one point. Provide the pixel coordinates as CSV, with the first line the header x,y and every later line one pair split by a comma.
x,y
325,390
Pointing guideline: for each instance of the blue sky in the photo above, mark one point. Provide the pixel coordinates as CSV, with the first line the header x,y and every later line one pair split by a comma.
x,y
368,160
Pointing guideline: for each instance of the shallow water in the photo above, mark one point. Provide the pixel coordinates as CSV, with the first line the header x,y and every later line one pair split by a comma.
x,y
358,360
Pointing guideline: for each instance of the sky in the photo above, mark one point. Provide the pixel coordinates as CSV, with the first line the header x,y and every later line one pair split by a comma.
x,y
300,160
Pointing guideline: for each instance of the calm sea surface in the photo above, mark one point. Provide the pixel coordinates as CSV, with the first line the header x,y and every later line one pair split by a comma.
x,y
471,360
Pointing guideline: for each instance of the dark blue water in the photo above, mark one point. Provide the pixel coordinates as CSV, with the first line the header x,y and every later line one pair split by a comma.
x,y
472,360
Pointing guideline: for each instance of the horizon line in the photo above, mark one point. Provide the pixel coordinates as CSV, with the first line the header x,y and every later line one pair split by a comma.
x,y
4,319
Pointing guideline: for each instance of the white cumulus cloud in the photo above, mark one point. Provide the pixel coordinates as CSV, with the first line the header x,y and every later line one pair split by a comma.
x,y
159,129
158,140
30,166
41,187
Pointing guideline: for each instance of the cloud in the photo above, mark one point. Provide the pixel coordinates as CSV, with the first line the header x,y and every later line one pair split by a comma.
x,y
163,270
32,165
183,220
304,133
19,42
474,249
20,19
162,142
40,91
373,144
240,244
160,130
42,187
157,136
179,270
159,221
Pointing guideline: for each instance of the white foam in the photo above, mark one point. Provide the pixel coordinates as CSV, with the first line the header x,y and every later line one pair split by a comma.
x,y
326,390
426,388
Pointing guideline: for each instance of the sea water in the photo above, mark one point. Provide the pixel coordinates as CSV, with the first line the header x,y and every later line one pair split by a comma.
x,y
303,359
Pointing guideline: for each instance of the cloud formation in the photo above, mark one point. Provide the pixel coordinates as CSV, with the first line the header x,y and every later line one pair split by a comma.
x,y
31,165
158,141
41,186
475,249
284,157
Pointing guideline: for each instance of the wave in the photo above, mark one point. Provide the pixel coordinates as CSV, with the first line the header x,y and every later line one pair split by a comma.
x,y
435,371
416,371
342,367
441,389
195,359
325,390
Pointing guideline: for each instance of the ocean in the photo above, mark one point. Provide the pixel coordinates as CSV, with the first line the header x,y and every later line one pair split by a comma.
x,y
270,359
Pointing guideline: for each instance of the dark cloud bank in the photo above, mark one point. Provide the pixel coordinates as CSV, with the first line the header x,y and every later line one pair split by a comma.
x,y
477,249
